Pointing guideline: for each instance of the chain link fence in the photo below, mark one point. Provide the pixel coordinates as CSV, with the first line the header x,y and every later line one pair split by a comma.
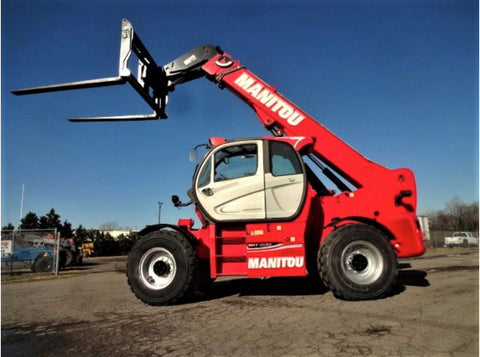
x,y
40,250
36,250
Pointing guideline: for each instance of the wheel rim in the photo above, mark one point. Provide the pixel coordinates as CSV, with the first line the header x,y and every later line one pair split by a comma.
x,y
362,262
157,268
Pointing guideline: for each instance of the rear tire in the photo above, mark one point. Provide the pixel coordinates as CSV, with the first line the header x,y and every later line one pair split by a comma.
x,y
69,258
163,268
357,262
42,264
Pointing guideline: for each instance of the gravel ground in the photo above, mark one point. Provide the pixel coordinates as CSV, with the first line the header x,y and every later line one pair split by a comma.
x,y
432,312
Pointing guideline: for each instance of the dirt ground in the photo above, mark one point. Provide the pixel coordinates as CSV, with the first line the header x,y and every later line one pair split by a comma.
x,y
91,312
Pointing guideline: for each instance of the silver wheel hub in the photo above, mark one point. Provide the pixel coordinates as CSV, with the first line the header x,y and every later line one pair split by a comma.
x,y
362,262
157,268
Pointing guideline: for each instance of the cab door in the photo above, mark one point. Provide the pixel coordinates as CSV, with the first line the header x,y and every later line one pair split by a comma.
x,y
230,182
285,182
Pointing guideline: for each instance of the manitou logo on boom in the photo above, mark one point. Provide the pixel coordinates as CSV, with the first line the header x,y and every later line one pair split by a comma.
x,y
275,262
269,99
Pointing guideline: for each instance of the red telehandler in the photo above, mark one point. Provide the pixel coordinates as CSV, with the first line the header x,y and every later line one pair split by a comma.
x,y
263,209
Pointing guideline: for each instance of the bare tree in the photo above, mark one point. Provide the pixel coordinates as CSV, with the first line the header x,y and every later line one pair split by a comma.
x,y
457,216
108,226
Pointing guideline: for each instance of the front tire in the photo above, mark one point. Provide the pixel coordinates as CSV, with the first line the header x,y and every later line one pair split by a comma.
x,y
163,268
357,262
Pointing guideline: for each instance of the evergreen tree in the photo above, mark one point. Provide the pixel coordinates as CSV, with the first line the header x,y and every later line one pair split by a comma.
x,y
66,230
50,220
8,227
81,235
30,221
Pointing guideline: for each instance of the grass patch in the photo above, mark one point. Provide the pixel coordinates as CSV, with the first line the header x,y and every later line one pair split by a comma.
x,y
455,250
27,277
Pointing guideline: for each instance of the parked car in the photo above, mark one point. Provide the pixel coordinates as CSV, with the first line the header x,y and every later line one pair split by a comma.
x,y
461,239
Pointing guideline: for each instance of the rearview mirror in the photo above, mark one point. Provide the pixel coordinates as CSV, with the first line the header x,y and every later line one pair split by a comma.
x,y
192,155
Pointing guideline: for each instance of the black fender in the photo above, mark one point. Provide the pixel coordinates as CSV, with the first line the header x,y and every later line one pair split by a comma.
x,y
161,226
338,220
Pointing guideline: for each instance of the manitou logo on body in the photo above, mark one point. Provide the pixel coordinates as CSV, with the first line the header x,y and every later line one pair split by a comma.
x,y
269,99
275,262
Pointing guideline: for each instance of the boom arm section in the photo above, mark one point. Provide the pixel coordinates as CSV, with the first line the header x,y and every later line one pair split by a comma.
x,y
283,117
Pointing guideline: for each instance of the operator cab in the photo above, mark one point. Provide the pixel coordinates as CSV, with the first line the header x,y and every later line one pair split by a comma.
x,y
253,179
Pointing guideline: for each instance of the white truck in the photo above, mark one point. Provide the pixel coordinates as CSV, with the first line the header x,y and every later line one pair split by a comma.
x,y
461,239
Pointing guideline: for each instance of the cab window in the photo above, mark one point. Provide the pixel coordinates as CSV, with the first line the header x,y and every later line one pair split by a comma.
x,y
204,176
283,159
236,161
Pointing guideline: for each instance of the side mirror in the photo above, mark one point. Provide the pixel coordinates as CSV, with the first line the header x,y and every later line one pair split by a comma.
x,y
192,155
176,201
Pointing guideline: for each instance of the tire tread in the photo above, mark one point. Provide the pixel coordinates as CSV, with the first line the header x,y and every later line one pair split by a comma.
x,y
325,271
193,270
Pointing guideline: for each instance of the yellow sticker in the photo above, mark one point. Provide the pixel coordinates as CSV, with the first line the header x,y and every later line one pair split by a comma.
x,y
258,232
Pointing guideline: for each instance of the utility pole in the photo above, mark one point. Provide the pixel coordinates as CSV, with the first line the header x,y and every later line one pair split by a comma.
x,y
21,203
159,210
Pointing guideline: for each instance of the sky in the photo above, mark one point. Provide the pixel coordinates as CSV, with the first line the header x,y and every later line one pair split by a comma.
x,y
397,80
